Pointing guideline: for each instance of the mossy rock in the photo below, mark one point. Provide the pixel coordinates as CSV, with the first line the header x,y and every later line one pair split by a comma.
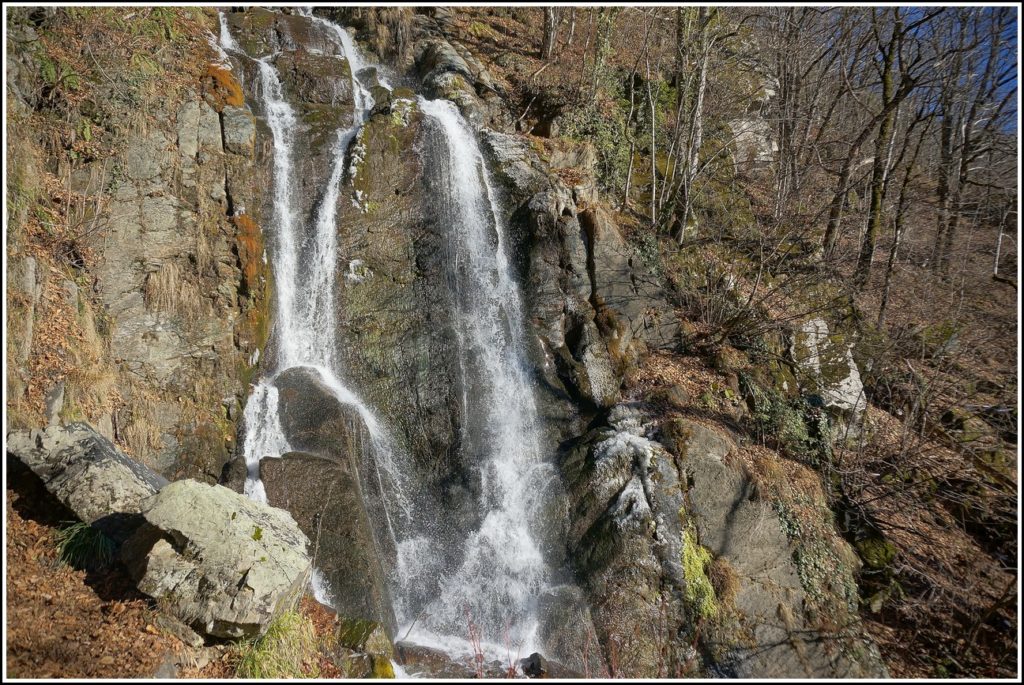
x,y
967,426
877,552
729,359
364,636
358,665
674,396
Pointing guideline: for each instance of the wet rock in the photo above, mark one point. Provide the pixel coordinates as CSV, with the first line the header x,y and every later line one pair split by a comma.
x,y
362,649
447,75
221,563
325,499
418,660
323,79
624,538
88,474
395,304
567,632
534,666
364,636
312,417
233,474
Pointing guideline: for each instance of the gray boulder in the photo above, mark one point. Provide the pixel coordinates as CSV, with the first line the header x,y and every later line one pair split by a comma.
x,y
830,376
625,294
324,497
743,532
88,474
312,417
669,539
221,563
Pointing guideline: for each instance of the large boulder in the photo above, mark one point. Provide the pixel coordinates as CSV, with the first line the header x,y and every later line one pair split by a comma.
x,y
324,497
674,547
829,376
743,533
88,474
314,420
218,561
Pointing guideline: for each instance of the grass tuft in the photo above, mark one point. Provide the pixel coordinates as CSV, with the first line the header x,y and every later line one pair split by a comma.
x,y
289,649
84,547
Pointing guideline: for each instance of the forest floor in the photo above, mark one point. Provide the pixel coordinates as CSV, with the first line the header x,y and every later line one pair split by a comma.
x,y
68,623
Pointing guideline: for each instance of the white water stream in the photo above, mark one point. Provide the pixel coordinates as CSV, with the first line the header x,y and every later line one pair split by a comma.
x,y
306,318
500,570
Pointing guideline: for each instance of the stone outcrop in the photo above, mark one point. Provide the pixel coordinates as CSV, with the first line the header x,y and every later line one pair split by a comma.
x,y
596,307
221,563
170,308
88,474
395,302
659,517
744,532
450,71
314,419
829,376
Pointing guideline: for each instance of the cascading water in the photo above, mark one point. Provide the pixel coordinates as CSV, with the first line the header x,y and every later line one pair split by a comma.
x,y
493,575
502,571
305,334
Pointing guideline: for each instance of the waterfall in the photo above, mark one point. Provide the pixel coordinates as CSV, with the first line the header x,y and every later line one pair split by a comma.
x,y
502,570
444,579
304,333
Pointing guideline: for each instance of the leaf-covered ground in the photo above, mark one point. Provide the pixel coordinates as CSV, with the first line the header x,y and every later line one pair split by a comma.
x,y
67,623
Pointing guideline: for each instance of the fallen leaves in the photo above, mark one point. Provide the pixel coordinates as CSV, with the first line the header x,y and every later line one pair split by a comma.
x,y
63,623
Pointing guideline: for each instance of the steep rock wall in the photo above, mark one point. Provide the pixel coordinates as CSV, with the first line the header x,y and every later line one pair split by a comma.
x,y
142,306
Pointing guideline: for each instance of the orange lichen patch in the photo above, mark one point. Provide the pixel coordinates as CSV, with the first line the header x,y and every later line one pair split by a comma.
x,y
250,250
223,88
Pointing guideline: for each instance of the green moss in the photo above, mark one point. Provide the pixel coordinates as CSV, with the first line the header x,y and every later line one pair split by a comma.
x,y
364,636
382,668
877,552
696,558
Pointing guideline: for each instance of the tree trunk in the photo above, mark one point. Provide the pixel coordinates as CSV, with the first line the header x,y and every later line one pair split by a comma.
x,y
879,169
835,213
550,32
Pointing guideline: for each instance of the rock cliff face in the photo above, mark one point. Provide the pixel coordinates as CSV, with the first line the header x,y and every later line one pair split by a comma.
x,y
162,283
674,562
